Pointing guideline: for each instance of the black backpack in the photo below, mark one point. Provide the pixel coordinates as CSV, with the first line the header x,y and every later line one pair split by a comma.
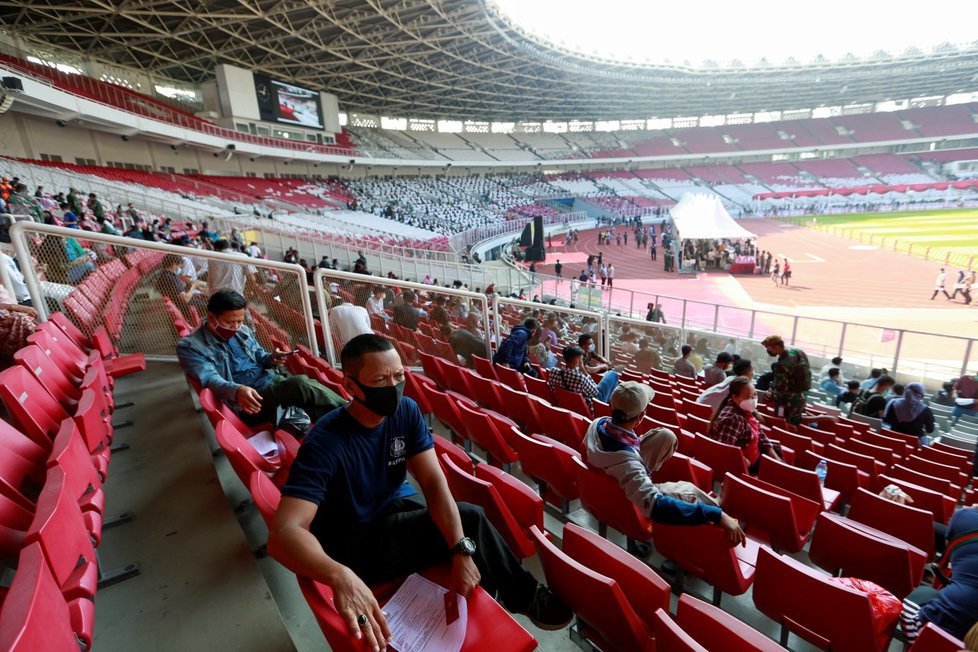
x,y
860,405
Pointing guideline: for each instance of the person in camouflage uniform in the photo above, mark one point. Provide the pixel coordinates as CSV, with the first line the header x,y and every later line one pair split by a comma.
x,y
23,205
74,205
792,379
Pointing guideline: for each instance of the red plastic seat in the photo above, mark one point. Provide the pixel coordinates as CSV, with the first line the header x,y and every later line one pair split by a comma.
x,y
960,460
807,603
433,369
858,550
722,458
899,447
447,413
940,485
454,451
539,388
36,412
605,613
522,407
865,463
484,367
487,392
702,551
525,506
934,639
244,458
82,477
799,481
35,615
881,454
510,377
664,415
483,432
64,389
940,506
670,637
490,628
573,401
265,495
773,518
905,522
681,467
715,629
952,474
467,488
415,389
457,378
607,502
840,476
59,527
547,462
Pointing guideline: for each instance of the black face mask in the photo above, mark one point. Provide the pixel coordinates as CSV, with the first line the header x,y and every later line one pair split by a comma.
x,y
382,401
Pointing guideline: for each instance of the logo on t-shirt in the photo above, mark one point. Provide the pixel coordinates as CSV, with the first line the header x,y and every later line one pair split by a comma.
x,y
398,446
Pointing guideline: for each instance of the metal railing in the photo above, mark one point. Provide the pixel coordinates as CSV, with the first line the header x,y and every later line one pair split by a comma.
x,y
357,288
476,235
137,318
104,280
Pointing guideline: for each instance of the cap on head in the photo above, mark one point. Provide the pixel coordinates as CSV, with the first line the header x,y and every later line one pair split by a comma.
x,y
631,398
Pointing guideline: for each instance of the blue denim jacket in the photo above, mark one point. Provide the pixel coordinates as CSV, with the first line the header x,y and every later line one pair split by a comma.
x,y
204,356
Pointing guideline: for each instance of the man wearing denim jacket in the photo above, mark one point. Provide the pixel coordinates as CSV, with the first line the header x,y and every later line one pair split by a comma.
x,y
224,356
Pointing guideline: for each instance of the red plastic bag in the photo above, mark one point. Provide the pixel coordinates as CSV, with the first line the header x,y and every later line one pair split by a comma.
x,y
885,606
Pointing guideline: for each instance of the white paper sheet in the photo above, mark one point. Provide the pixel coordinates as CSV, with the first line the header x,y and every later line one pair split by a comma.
x,y
416,616
264,442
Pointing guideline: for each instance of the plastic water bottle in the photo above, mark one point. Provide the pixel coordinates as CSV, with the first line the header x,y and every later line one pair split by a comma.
x,y
822,470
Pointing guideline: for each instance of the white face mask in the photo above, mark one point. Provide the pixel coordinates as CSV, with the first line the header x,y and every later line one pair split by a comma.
x,y
591,347
748,404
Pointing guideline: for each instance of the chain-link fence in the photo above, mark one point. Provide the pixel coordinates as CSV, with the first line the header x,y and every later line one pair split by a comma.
x,y
148,294
560,327
451,323
642,345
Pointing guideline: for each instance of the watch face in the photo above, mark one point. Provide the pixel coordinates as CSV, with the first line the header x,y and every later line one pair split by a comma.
x,y
466,546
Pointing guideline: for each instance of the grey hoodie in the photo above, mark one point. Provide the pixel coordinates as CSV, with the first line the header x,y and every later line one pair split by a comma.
x,y
626,467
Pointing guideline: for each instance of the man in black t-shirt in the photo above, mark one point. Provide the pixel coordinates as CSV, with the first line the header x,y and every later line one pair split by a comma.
x,y
348,518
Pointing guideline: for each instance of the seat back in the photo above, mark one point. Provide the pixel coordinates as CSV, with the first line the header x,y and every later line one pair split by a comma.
x,y
73,333
702,551
722,458
35,615
540,460
48,374
467,488
525,506
14,441
940,485
483,432
838,546
595,598
961,461
538,388
454,451
484,367
952,474
939,505
265,494
809,604
639,583
604,498
769,517
510,377
573,401
240,453
800,481
446,411
841,476
879,453
934,639
670,637
715,629
487,392
905,522
680,467
59,527
36,412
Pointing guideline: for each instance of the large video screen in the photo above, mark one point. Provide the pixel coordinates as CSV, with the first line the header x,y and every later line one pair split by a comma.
x,y
288,103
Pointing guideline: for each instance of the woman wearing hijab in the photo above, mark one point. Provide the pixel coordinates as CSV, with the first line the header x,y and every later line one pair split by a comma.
x,y
734,423
955,607
908,414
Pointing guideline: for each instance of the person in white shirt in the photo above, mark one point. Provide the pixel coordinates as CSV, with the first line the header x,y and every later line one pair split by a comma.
x,y
253,250
347,320
611,275
835,363
375,304
715,394
939,285
228,275
16,280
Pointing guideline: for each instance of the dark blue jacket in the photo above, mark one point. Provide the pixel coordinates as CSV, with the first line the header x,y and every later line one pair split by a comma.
x,y
512,350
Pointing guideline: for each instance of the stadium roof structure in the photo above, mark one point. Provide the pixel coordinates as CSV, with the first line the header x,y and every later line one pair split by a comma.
x,y
454,59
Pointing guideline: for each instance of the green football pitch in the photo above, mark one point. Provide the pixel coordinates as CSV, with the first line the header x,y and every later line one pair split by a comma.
x,y
945,235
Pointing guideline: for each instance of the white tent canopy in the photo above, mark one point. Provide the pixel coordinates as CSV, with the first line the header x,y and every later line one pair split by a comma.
x,y
699,216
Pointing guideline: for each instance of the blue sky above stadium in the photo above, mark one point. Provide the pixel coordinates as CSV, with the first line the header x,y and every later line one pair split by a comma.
x,y
643,31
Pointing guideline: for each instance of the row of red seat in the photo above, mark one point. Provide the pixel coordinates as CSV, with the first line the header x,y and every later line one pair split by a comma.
x,y
59,396
774,512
